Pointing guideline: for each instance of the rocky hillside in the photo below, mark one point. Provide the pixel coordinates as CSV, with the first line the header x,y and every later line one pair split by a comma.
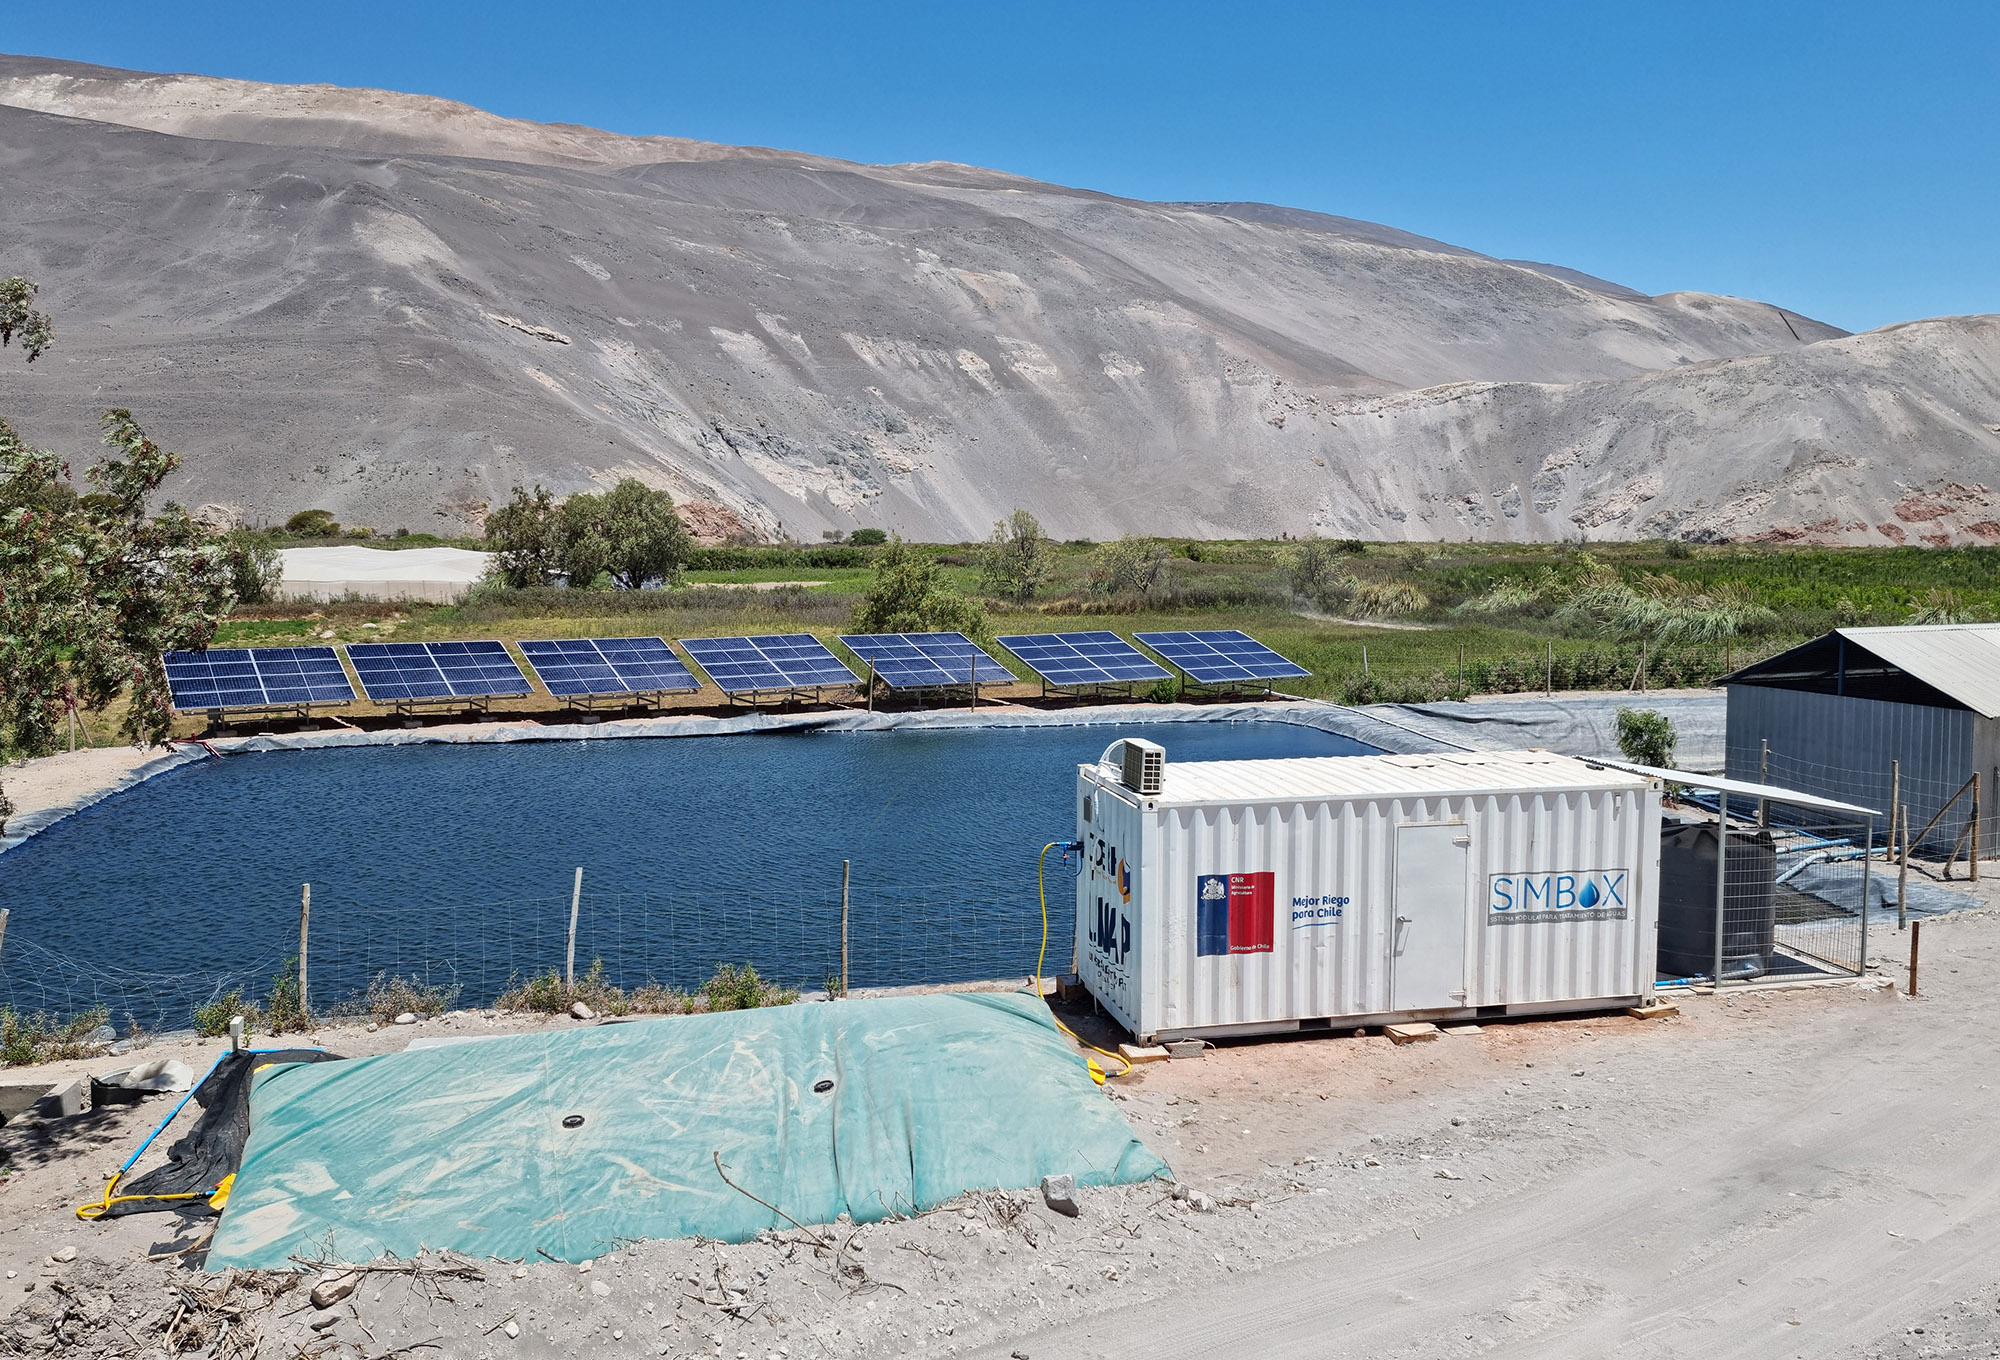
x,y
396,307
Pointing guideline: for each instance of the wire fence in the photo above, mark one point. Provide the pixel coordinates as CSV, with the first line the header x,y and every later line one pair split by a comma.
x,y
470,954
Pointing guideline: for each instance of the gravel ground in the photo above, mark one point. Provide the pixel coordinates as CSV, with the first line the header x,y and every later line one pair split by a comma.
x,y
1803,1172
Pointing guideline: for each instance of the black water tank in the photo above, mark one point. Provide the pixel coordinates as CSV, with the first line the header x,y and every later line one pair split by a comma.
x,y
1687,902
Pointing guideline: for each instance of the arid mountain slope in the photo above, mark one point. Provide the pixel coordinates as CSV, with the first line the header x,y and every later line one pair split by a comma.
x,y
396,307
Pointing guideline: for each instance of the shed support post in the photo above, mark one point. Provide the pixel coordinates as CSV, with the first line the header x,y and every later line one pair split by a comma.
x,y
1721,879
1867,865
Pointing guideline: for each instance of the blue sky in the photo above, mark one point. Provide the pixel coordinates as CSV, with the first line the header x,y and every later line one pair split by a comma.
x,y
1836,158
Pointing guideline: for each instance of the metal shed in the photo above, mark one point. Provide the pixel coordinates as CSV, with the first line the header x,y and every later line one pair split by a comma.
x,y
1879,715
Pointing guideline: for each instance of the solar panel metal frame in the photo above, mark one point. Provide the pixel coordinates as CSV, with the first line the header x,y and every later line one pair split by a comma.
x,y
1070,660
767,662
1200,655
255,677
483,670
911,660
572,668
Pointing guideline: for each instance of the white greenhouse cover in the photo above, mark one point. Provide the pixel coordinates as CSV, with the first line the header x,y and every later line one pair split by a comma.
x,y
433,575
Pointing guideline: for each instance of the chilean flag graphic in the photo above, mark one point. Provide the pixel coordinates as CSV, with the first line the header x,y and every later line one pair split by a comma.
x,y
1235,913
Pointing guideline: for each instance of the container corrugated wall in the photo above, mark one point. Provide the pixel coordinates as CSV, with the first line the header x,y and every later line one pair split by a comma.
x,y
1334,944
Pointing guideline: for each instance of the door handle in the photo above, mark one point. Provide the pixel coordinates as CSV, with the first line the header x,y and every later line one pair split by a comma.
x,y
1404,920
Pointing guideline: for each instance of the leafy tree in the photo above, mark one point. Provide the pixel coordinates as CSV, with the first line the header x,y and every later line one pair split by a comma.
x,y
1309,569
631,531
1018,556
868,538
526,534
255,568
1129,566
18,317
92,587
1646,737
910,594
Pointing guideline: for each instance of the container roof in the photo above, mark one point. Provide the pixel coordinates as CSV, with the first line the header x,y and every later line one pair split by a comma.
x,y
1443,772
1948,665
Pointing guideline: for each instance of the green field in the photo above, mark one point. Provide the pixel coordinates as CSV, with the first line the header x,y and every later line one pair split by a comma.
x,y
1442,632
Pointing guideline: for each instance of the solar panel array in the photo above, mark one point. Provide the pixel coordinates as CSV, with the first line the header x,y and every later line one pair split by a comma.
x,y
926,660
1218,656
1093,658
575,667
395,671
745,665
261,678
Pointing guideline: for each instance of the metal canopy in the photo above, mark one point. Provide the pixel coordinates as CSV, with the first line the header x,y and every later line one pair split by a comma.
x,y
259,677
396,672
1216,656
926,660
1949,665
1091,658
582,667
774,661
1742,787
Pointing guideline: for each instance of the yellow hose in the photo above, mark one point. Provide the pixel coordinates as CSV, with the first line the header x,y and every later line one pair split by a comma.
x,y
1097,1073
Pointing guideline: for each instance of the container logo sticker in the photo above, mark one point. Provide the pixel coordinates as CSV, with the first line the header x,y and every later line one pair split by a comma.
x,y
1564,895
1235,913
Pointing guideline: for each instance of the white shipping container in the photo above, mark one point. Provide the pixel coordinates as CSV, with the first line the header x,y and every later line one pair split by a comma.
x,y
1259,896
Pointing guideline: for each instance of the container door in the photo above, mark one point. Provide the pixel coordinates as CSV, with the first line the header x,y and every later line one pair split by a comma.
x,y
1427,953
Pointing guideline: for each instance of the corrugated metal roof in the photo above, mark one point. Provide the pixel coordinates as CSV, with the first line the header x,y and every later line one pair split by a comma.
x,y
1318,777
1959,659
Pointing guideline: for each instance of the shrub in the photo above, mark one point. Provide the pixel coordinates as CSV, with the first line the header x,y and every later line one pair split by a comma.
x,y
1129,566
1309,568
868,538
736,987
284,1011
312,524
211,1021
1386,599
255,569
33,1037
389,997
1018,557
1167,691
1646,737
911,595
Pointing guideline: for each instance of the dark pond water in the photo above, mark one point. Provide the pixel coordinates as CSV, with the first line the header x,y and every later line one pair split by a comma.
x,y
456,863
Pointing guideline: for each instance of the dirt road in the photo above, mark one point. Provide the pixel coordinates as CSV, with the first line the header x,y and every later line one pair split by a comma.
x,y
1792,1173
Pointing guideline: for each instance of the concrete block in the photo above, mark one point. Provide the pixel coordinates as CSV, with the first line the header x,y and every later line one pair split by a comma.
x,y
1462,1029
1186,1048
44,1100
1069,987
1141,1053
1422,1031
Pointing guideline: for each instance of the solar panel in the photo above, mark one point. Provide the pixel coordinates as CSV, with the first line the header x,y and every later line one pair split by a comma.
x,y
395,671
1096,658
1218,655
574,667
927,660
258,677
744,665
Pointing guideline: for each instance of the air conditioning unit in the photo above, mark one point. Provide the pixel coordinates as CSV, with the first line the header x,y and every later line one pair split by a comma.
x,y
1145,766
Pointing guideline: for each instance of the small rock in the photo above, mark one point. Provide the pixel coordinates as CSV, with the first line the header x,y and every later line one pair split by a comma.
x,y
1200,1202
600,1289
407,1018
1445,1174
1457,1122
579,1011
513,1329
520,1272
1370,1161
1059,1193
324,1321
331,1289
372,1027
66,1255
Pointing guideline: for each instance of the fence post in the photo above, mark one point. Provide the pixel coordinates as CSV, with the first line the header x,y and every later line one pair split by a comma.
x,y
1721,879
846,868
1461,665
871,687
1916,939
575,901
1867,865
3,927
305,917
1975,826
1764,778
1364,661
1549,676
1903,873
1895,802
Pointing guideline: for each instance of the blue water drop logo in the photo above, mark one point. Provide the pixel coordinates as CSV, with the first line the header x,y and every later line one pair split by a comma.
x,y
1589,896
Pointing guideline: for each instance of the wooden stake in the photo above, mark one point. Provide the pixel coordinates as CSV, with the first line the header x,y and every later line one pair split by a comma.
x,y
305,918
1916,940
846,867
575,900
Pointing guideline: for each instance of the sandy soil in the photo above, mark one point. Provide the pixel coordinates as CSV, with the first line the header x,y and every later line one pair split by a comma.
x,y
1783,1173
